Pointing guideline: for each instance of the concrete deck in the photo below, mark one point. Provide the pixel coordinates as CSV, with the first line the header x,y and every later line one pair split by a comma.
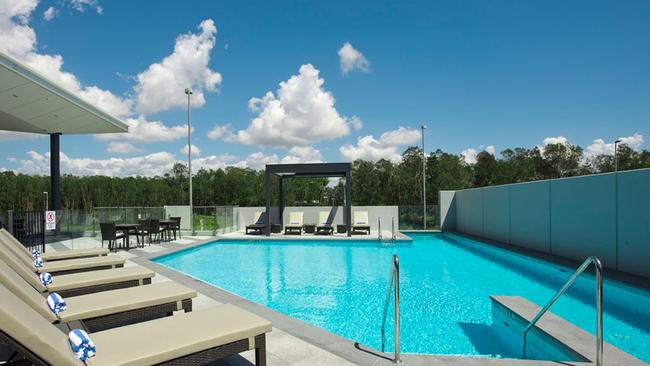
x,y
293,342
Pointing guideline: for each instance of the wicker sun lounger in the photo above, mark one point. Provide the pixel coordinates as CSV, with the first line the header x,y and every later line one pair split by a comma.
x,y
62,266
361,223
60,254
324,226
75,284
195,338
107,309
259,225
295,224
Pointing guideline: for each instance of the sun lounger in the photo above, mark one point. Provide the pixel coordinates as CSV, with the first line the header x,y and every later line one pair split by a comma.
x,y
361,223
295,224
259,225
186,339
107,309
324,226
60,254
75,284
61,266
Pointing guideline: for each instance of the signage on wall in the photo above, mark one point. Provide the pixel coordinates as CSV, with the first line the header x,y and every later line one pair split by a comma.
x,y
50,220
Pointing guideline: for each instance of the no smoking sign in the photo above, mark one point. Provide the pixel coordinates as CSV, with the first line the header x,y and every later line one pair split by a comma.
x,y
50,220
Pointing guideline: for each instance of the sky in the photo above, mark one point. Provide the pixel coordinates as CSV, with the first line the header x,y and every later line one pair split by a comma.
x,y
296,81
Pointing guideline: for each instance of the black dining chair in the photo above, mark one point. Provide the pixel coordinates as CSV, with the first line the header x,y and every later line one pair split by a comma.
x,y
109,233
176,226
142,231
155,230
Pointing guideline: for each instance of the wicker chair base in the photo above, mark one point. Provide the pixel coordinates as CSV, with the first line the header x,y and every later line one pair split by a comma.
x,y
135,316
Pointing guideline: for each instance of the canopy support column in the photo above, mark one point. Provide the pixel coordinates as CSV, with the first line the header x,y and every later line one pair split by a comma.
x,y
348,202
55,171
267,193
281,208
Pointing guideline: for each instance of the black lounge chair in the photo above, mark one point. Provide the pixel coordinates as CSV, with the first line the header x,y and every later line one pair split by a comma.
x,y
259,226
325,226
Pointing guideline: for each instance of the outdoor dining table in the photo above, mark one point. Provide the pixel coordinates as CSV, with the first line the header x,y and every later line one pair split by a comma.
x,y
126,228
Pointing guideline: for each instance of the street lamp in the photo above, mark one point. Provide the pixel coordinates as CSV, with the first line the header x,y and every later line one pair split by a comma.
x,y
188,91
424,181
616,154
46,199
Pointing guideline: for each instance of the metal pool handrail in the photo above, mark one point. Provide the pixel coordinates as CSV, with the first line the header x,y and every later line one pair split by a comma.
x,y
392,230
379,237
394,279
599,306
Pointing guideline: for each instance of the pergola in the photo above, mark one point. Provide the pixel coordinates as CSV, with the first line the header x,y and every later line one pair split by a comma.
x,y
29,102
311,170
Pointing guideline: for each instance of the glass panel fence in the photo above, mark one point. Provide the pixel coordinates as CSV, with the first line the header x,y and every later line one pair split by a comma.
x,y
410,217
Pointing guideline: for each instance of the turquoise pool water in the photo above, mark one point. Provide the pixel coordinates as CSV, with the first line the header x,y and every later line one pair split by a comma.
x,y
445,284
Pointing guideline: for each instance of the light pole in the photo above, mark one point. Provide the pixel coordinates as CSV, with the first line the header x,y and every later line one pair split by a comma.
x,y
46,199
424,181
616,154
188,91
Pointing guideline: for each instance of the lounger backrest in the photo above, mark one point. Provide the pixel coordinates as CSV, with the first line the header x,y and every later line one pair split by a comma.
x,y
26,272
33,332
21,254
361,218
295,218
16,284
13,239
324,218
259,217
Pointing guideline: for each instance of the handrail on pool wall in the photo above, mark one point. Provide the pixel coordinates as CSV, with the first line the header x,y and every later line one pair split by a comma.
x,y
394,279
599,305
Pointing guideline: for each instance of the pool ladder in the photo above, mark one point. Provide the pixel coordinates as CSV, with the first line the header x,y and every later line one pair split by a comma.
x,y
599,306
393,282
380,237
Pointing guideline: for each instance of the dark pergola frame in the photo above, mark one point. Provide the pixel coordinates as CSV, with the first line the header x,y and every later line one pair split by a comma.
x,y
311,170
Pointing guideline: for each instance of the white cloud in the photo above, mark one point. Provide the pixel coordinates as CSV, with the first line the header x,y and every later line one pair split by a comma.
x,y
18,39
356,122
303,154
258,160
195,150
490,149
224,132
351,59
469,155
122,148
600,147
16,136
50,13
555,140
80,5
213,162
386,147
300,113
162,85
148,165
143,131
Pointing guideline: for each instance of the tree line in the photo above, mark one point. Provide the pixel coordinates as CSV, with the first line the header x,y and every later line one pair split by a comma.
x,y
373,183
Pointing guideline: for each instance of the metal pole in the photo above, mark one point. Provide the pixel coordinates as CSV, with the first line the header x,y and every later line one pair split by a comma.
x,y
46,199
379,228
616,155
424,181
396,268
599,311
188,91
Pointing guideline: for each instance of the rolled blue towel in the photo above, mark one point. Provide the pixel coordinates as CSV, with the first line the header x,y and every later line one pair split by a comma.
x,y
36,253
56,303
46,278
38,262
81,344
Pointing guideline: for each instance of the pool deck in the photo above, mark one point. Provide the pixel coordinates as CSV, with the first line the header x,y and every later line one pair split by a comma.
x,y
294,342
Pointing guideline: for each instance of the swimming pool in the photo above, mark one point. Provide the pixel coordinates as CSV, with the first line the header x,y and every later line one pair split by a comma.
x,y
446,281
